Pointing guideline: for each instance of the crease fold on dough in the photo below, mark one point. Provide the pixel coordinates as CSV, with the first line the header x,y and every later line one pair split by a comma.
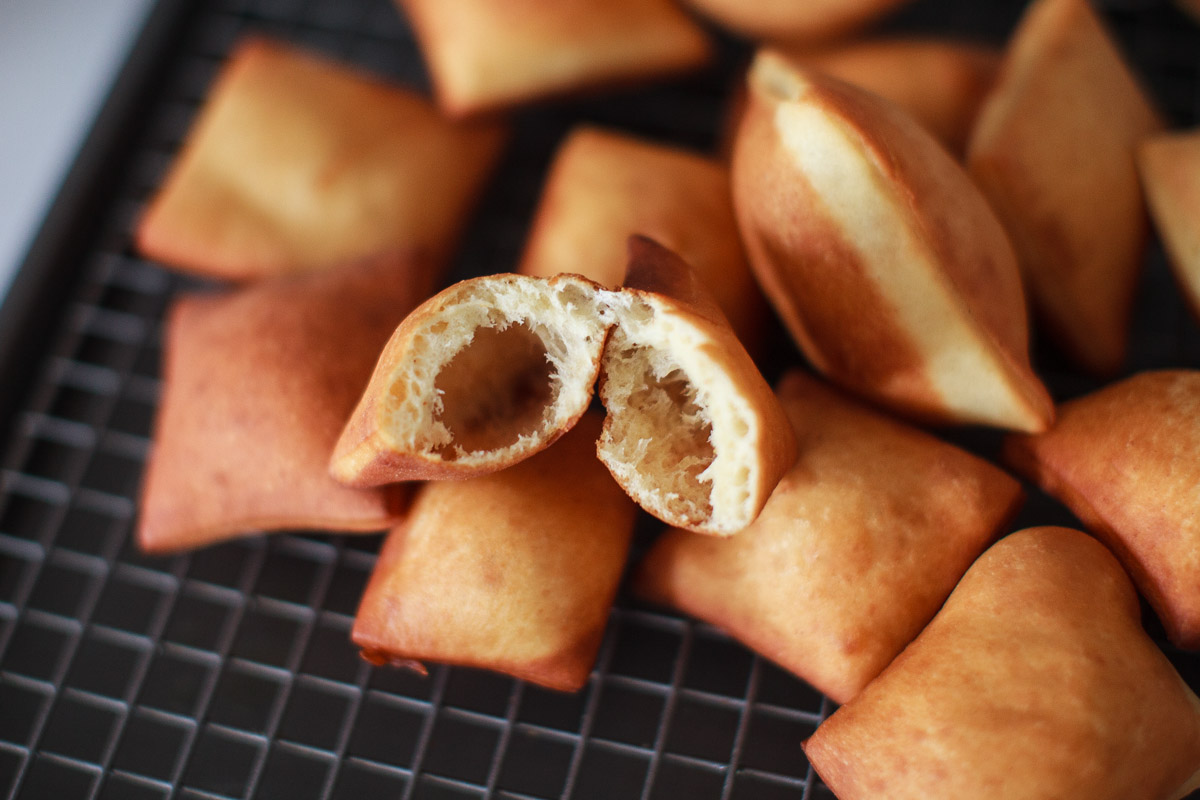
x,y
257,384
297,163
883,260
1124,460
857,548
604,186
1035,680
1053,150
514,571
485,55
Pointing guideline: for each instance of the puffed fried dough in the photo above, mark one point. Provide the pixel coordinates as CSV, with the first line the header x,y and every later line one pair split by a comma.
x,y
605,186
256,387
1124,459
794,20
1035,681
296,163
858,547
693,432
941,82
513,571
1054,151
479,377
884,261
1170,170
486,54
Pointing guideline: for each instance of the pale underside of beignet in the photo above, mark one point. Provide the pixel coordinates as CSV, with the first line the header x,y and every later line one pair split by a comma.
x,y
256,387
941,82
479,377
297,163
1035,681
794,20
855,551
487,54
513,571
693,432
1054,151
605,186
883,260
1170,170
1124,459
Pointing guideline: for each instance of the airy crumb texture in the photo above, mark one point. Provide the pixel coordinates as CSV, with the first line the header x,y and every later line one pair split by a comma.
x,y
485,374
693,433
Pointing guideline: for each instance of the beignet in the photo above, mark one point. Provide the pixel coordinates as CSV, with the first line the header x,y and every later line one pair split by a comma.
x,y
257,384
881,257
1054,152
487,54
794,20
1125,460
1170,170
513,571
857,548
604,186
297,163
1035,681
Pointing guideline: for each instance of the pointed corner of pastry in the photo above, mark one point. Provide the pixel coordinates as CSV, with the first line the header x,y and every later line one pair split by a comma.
x,y
486,373
694,433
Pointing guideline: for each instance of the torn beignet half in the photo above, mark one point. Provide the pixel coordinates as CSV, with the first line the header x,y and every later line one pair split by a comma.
x,y
856,549
513,571
482,375
694,433
1035,680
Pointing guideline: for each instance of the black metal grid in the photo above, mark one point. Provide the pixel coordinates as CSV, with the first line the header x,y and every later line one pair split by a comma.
x,y
228,672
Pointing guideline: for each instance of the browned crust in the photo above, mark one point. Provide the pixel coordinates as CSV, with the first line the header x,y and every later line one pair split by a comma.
x,y
788,20
484,55
257,384
825,582
514,571
1169,166
366,167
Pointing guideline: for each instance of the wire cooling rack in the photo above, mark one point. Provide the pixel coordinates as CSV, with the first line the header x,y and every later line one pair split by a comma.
x,y
228,672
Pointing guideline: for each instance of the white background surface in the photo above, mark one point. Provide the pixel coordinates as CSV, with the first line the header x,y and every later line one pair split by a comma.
x,y
58,59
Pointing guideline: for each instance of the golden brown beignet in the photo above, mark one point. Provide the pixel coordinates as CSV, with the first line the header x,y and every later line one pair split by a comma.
x,y
256,387
940,82
605,186
693,432
480,376
1035,681
1170,170
859,545
1054,151
794,20
485,54
1124,459
513,571
884,261
297,163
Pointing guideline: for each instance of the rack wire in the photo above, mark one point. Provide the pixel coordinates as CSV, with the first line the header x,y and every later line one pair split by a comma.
x,y
228,672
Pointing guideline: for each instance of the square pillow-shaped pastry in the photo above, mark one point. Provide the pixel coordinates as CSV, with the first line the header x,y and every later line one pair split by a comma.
x,y
1053,150
855,551
297,163
513,571
605,186
1035,681
1126,460
487,54
256,387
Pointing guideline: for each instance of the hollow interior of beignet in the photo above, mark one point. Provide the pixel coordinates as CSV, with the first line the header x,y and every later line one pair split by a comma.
x,y
511,364
677,436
